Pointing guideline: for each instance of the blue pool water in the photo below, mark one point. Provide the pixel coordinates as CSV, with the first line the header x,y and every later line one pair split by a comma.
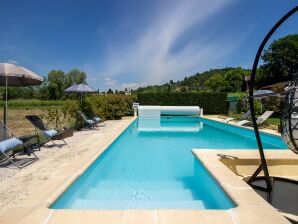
x,y
150,165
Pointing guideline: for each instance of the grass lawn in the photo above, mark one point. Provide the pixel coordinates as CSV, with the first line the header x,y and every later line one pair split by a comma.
x,y
273,121
238,94
32,103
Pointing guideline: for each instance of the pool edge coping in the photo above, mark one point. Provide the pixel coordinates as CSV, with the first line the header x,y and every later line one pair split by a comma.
x,y
59,183
36,209
246,199
264,131
86,165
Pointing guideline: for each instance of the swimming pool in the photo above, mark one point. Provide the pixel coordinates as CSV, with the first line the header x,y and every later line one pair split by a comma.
x,y
150,165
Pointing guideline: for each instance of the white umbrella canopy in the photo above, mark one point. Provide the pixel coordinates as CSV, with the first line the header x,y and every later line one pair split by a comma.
x,y
262,94
13,75
80,88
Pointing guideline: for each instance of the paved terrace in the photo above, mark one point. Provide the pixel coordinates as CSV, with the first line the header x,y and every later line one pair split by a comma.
x,y
19,186
27,194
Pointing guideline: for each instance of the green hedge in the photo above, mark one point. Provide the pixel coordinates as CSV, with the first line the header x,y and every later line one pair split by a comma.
x,y
212,103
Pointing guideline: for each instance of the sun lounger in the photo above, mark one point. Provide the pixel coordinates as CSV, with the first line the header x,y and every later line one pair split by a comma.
x,y
241,123
50,134
98,120
260,120
227,120
89,122
9,143
243,117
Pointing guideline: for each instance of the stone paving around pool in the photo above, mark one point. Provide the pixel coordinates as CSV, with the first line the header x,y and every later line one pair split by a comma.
x,y
26,195
225,164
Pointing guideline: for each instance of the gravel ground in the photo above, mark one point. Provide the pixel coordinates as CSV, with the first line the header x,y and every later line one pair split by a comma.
x,y
16,185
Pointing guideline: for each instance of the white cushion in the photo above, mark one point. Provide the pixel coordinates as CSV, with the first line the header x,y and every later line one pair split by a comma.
x,y
90,122
9,144
97,119
50,133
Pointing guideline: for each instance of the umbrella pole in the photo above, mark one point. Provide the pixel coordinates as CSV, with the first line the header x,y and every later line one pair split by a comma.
x,y
5,106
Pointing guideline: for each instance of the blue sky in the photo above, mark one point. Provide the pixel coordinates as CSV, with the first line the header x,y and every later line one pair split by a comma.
x,y
129,43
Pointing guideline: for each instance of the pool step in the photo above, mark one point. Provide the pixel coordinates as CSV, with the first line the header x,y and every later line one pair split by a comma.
x,y
97,204
142,185
139,195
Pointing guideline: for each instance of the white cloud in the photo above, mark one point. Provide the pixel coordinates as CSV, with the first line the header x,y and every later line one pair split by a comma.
x,y
110,82
132,85
13,62
150,58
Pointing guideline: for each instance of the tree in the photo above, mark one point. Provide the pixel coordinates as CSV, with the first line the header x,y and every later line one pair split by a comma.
x,y
76,76
43,92
216,83
57,81
235,79
56,85
110,91
280,61
196,82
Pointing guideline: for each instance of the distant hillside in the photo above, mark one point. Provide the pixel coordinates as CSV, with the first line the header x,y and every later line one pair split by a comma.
x,y
220,80
280,64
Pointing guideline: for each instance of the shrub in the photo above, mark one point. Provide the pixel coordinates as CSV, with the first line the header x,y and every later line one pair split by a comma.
x,y
111,106
242,106
70,108
259,108
64,115
268,103
274,104
212,103
69,111
56,116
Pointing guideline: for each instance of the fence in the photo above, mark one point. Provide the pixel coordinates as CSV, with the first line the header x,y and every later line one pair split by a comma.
x,y
17,122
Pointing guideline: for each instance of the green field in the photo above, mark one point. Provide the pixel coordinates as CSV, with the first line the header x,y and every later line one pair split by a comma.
x,y
31,103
